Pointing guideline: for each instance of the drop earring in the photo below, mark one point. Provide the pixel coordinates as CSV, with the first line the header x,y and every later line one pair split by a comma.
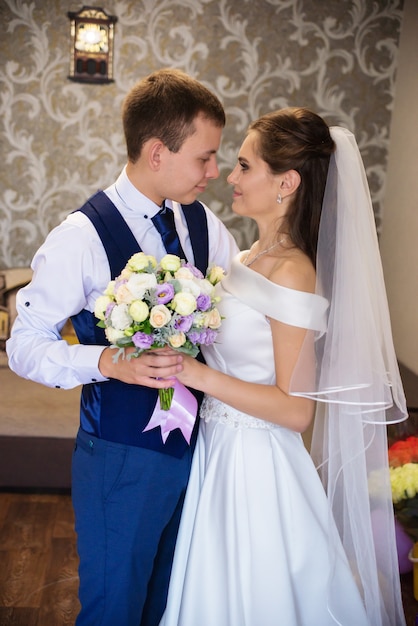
x,y
279,198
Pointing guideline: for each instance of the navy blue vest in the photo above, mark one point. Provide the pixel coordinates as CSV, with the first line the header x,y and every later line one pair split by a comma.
x,y
114,410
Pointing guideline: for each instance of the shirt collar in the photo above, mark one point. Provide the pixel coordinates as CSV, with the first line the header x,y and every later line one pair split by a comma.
x,y
132,198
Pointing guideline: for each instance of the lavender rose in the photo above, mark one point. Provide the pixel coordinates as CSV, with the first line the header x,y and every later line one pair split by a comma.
x,y
142,340
164,292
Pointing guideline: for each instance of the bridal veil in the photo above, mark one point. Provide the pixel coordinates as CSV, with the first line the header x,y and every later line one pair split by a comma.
x,y
357,384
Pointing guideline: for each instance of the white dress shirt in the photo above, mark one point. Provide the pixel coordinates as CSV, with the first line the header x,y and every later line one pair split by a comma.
x,y
71,270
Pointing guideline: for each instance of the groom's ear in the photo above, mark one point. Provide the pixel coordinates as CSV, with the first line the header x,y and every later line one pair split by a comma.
x,y
152,151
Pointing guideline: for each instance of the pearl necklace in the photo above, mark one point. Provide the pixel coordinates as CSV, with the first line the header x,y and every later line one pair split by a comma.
x,y
257,256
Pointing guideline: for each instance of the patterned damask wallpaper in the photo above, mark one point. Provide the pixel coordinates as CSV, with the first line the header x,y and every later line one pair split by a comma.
x,y
60,141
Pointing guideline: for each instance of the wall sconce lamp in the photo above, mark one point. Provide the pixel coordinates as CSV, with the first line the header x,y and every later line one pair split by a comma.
x,y
91,53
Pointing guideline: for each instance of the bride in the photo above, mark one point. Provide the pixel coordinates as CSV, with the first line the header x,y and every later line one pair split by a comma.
x,y
262,540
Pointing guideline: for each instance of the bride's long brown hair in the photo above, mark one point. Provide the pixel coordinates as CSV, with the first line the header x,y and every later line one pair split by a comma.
x,y
297,139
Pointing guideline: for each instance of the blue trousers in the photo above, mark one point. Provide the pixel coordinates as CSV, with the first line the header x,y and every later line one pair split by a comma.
x,y
127,503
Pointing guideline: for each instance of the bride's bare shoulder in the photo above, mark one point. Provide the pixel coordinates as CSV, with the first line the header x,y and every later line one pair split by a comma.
x,y
294,270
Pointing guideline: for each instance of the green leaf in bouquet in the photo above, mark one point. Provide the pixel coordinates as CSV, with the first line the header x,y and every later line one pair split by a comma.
x,y
124,342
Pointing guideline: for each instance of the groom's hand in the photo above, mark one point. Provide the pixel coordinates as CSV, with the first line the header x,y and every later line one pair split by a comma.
x,y
152,368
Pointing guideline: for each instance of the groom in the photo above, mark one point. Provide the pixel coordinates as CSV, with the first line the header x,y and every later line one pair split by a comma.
x,y
127,486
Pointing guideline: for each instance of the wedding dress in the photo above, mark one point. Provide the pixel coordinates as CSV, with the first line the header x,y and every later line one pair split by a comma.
x,y
253,544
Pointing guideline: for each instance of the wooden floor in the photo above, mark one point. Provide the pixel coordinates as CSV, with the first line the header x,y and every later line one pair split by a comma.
x,y
38,562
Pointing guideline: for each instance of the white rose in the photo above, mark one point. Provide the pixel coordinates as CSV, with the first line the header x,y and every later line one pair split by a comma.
x,y
213,319
176,341
138,284
109,291
190,286
184,273
123,294
140,261
184,303
170,263
125,273
206,287
216,274
119,317
138,310
101,305
114,335
159,316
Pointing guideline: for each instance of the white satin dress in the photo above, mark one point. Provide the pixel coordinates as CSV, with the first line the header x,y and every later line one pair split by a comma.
x,y
252,548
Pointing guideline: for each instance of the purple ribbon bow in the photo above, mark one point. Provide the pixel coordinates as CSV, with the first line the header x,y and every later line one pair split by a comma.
x,y
182,414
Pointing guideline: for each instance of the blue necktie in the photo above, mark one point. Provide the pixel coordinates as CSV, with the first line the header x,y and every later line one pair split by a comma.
x,y
164,223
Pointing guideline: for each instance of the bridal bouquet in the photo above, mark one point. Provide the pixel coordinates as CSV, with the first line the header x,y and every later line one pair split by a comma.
x,y
153,305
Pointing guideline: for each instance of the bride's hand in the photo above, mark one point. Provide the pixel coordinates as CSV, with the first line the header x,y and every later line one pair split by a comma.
x,y
193,373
